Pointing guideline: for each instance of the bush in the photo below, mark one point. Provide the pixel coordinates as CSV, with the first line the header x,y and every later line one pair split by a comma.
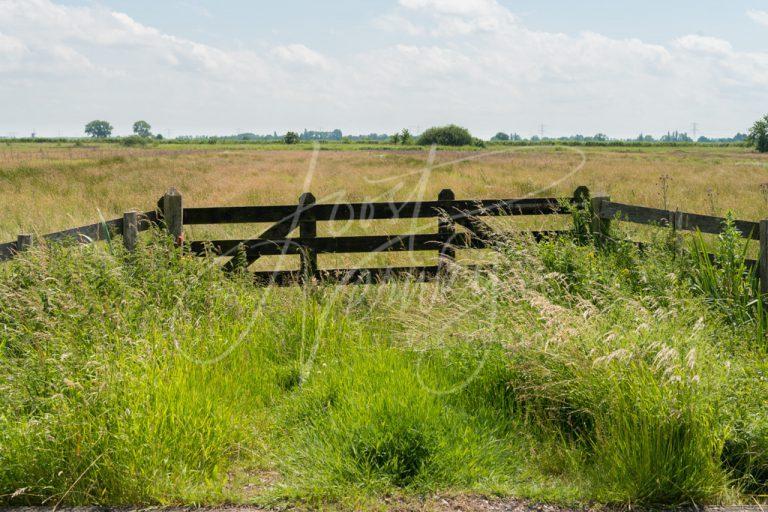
x,y
758,135
450,135
291,138
134,140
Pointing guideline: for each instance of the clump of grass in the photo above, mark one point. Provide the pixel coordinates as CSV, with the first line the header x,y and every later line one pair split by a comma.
x,y
568,374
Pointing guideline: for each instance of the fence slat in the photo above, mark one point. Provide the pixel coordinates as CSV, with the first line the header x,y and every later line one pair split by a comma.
x,y
371,211
762,266
357,275
446,227
308,230
601,226
687,221
130,230
87,234
173,214
23,242
355,244
7,250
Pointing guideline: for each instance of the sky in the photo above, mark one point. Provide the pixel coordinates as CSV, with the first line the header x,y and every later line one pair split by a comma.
x,y
196,67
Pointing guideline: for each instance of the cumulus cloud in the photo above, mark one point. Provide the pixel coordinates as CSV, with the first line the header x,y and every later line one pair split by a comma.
x,y
300,54
760,17
462,17
705,44
467,61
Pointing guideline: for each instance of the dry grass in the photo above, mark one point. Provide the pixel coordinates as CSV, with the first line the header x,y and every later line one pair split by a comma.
x,y
47,187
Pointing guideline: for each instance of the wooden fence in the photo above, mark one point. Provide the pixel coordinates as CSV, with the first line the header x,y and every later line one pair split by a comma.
x,y
449,214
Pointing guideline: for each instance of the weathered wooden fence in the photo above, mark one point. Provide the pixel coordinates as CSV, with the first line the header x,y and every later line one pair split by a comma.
x,y
458,225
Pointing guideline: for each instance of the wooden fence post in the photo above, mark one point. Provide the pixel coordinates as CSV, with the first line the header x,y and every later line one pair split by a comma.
x,y
600,226
23,242
130,230
173,214
446,226
581,220
763,262
308,229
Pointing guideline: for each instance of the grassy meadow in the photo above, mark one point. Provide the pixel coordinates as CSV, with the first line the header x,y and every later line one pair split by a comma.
x,y
575,373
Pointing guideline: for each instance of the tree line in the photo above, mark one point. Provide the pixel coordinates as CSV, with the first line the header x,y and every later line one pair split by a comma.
x,y
450,135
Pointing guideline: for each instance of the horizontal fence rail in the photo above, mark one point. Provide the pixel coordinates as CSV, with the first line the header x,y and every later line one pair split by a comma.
x,y
83,235
374,211
677,219
458,226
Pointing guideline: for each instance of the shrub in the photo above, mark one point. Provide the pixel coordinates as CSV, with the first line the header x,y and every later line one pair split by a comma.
x,y
134,140
758,135
450,135
291,138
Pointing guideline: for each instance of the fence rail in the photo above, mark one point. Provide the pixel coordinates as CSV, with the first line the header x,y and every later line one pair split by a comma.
x,y
450,214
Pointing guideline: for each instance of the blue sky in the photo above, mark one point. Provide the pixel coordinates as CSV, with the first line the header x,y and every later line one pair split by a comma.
x,y
197,67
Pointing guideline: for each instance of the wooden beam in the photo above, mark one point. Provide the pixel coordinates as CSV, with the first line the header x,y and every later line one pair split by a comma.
x,y
173,215
446,227
130,230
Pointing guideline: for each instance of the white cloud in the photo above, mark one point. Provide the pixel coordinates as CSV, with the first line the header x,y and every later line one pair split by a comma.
x,y
705,44
466,61
300,54
462,17
760,17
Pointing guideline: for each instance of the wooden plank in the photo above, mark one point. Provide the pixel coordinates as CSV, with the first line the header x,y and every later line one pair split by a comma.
x,y
355,244
23,242
173,214
7,251
357,275
87,234
685,221
371,211
447,228
762,267
147,220
130,230
600,226
307,230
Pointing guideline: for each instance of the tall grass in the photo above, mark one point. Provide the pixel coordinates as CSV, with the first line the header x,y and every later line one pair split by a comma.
x,y
568,374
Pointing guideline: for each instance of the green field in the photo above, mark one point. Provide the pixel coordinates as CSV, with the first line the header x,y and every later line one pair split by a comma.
x,y
574,373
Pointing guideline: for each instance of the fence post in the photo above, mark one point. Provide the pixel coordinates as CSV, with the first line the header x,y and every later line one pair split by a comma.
x,y
173,214
130,230
600,226
763,262
446,226
23,242
308,229
581,220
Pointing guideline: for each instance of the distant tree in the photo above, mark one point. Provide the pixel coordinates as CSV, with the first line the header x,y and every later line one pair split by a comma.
x,y
142,129
159,136
406,137
291,138
515,137
535,138
99,129
758,135
600,137
450,135
395,139
500,137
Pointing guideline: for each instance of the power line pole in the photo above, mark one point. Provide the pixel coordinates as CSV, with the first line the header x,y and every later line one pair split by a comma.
x,y
695,130
542,130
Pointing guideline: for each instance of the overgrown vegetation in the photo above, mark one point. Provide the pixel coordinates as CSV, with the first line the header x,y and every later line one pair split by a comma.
x,y
450,135
569,373
758,135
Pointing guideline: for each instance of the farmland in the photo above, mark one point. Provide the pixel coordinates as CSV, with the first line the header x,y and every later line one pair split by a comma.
x,y
571,374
